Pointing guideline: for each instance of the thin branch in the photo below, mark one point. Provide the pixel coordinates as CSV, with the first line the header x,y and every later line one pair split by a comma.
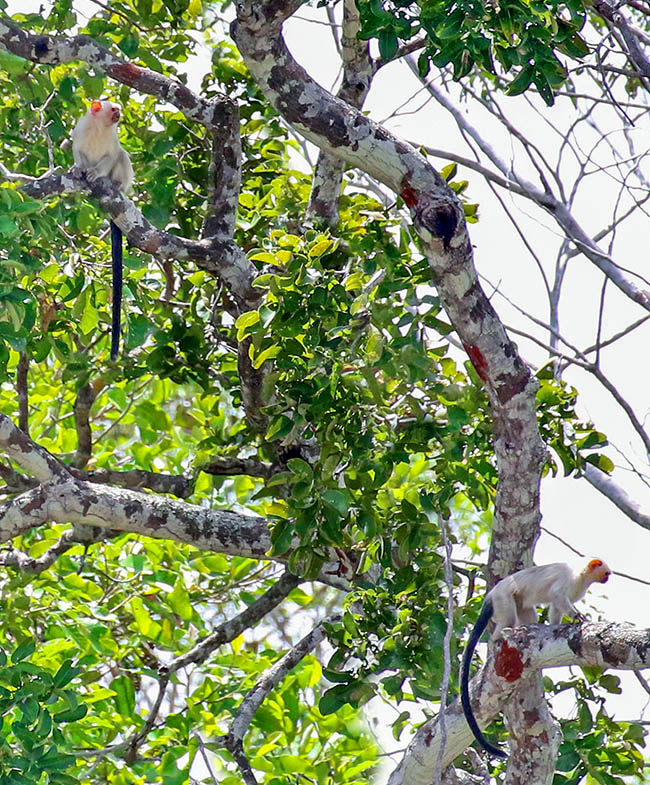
x,y
206,760
642,681
230,629
178,485
583,555
226,466
83,403
35,566
273,676
23,392
617,496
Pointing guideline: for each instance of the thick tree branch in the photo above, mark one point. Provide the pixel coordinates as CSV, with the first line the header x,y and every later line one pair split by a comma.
x,y
73,501
224,177
223,259
54,50
29,456
606,485
61,498
357,77
439,220
519,655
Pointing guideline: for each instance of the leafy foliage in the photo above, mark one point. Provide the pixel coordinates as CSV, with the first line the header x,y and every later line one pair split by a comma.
x,y
524,37
36,704
596,745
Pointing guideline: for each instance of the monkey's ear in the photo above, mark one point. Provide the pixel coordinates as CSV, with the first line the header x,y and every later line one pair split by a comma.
x,y
95,106
594,564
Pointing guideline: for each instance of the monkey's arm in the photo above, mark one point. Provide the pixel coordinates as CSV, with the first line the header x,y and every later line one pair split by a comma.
x,y
122,171
103,167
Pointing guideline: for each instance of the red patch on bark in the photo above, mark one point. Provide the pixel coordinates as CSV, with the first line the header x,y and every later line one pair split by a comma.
x,y
508,663
478,361
127,73
409,196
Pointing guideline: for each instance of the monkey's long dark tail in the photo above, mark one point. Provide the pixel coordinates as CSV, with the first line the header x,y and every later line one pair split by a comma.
x,y
116,255
481,624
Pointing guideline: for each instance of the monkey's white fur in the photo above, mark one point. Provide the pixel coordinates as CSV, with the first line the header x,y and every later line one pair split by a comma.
x,y
96,148
515,598
98,152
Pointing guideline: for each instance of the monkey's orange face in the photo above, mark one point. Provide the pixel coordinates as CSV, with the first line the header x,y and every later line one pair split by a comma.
x,y
599,571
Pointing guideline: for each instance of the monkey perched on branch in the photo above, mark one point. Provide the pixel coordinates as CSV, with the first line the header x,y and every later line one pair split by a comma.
x,y
98,152
514,600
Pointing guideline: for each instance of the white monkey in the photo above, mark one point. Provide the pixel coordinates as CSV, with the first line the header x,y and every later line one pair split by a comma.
x,y
98,152
514,600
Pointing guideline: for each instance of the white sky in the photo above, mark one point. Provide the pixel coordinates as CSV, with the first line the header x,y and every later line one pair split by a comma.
x,y
571,508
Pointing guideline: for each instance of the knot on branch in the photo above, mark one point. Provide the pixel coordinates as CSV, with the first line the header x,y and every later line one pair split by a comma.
x,y
440,217
41,50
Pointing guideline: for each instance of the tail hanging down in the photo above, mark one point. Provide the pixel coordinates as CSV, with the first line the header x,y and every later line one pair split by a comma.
x,y
116,244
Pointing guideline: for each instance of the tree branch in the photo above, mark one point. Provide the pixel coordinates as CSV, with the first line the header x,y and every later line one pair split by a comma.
x,y
273,676
518,655
606,485
230,629
439,221
221,258
357,78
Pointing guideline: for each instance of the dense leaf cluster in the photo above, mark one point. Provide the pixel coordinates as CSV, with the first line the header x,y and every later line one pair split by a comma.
x,y
520,37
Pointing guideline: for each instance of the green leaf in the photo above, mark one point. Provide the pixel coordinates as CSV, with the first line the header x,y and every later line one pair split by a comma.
x,y
449,172
300,467
602,462
24,650
8,228
334,699
246,321
278,428
124,697
71,715
522,81
267,354
179,601
338,500
388,45
66,672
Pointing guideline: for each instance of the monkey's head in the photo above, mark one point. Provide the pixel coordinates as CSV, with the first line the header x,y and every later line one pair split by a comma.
x,y
598,571
106,111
